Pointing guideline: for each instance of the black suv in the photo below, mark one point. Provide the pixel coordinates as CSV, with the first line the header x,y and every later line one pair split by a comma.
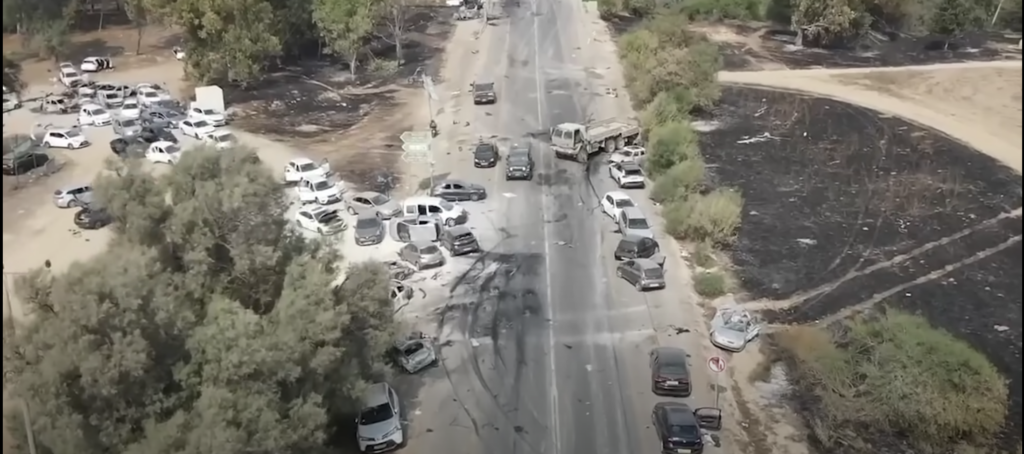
x,y
485,155
639,247
92,218
483,93
519,164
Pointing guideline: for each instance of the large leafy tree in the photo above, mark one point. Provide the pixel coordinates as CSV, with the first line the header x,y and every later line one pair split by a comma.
x,y
208,327
345,25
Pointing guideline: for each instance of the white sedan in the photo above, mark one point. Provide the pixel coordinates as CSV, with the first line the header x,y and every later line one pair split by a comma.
x,y
65,138
163,152
197,128
131,109
221,140
323,220
299,169
614,202
209,115
318,190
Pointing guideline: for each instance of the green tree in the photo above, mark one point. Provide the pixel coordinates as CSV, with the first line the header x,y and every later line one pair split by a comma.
x,y
217,329
344,25
12,75
52,38
670,144
822,23
138,12
953,18
395,16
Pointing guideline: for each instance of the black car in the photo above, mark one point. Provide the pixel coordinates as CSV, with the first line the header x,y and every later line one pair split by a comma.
x,y
519,163
483,93
131,147
485,155
459,240
678,428
639,247
669,373
92,218
152,134
23,161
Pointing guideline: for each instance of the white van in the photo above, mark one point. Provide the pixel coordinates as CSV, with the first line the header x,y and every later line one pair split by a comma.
x,y
449,213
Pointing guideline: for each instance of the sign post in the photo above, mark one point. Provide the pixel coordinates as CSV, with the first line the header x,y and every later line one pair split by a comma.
x,y
717,366
416,149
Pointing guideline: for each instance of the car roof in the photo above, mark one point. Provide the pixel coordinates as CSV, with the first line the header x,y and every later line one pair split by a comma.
x,y
673,353
315,179
367,194
301,161
317,209
422,244
424,199
460,230
376,394
629,165
91,106
631,238
72,187
633,212
452,181
619,195
646,264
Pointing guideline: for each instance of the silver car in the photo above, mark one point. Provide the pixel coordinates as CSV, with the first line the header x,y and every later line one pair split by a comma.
x,y
415,353
165,118
111,99
127,127
644,274
633,222
73,196
379,425
369,230
374,204
733,328
422,255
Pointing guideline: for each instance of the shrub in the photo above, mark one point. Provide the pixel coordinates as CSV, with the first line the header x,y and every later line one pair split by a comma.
x,y
670,144
679,182
704,255
894,373
673,106
710,284
714,10
713,217
703,63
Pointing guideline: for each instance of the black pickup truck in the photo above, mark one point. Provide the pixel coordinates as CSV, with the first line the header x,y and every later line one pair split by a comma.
x,y
483,93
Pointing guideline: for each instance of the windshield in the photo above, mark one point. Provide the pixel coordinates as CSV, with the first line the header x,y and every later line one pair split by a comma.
x,y
485,151
375,415
485,87
200,124
633,172
640,223
624,203
70,74
73,133
681,431
307,167
653,273
130,106
430,250
518,161
128,123
367,223
226,138
209,112
446,205
98,112
150,94
322,185
112,95
173,149
57,101
379,200
328,217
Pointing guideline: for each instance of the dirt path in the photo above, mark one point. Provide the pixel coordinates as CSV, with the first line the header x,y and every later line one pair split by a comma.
x,y
976,103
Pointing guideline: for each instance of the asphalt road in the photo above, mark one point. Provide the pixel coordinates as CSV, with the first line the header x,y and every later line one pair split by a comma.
x,y
544,351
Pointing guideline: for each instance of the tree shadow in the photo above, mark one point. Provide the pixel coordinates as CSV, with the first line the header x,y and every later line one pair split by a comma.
x,y
96,47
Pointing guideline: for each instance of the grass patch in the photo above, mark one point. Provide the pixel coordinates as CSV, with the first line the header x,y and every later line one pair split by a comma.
x,y
704,256
894,374
710,284
712,218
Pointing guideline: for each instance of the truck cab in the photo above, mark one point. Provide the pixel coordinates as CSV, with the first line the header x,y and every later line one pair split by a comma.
x,y
565,138
578,141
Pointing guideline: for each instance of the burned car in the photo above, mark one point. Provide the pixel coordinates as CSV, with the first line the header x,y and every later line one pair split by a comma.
x,y
483,93
415,353
733,328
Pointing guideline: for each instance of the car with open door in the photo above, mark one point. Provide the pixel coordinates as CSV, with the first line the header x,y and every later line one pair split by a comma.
x,y
678,427
670,373
732,328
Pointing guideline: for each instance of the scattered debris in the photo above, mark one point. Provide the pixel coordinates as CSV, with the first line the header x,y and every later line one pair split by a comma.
x,y
762,137
589,368
563,243
567,346
1001,328
807,241
519,429
678,329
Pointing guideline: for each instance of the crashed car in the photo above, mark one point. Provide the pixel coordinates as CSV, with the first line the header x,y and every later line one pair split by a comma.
x,y
733,328
415,353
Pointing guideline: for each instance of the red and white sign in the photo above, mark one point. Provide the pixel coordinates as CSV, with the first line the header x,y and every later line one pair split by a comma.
x,y
716,364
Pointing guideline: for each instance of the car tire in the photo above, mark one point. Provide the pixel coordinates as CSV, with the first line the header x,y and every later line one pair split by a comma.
x,y
639,286
474,198
47,144
72,204
450,222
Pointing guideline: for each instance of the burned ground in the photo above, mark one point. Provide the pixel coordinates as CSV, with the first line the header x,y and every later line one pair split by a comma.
x,y
843,207
875,51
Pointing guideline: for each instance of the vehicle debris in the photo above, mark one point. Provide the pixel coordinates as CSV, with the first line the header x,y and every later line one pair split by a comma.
x,y
415,352
733,328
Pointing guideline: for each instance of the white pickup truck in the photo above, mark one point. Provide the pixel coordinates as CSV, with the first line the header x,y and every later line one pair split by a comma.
x,y
304,169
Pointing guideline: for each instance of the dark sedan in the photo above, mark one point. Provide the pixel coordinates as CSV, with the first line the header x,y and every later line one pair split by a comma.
x,y
456,191
92,218
485,155
669,373
678,429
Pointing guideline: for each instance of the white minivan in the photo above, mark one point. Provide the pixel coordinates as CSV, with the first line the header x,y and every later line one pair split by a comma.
x,y
449,213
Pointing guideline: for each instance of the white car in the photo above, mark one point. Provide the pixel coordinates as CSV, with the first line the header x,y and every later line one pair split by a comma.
x,y
163,152
221,140
318,190
96,64
179,53
627,174
148,96
197,128
70,77
131,109
163,94
67,65
614,202
323,220
211,116
94,115
303,169
629,153
65,138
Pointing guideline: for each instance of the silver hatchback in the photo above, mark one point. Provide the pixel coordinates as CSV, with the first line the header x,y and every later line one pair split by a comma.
x,y
73,196
422,254
644,274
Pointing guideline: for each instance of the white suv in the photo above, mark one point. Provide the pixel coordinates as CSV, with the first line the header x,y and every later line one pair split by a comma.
x,y
379,425
627,174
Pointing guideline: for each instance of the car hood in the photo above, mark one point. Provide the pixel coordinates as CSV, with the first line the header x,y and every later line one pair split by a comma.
x,y
378,430
368,232
390,207
432,257
730,336
641,232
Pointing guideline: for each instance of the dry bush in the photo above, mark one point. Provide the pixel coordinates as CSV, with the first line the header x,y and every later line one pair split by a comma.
x,y
679,182
713,218
710,284
704,255
715,10
895,374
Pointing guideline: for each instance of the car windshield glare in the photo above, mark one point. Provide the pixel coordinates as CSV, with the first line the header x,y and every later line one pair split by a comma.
x,y
624,203
375,415
367,223
429,250
322,185
379,200
638,223
447,206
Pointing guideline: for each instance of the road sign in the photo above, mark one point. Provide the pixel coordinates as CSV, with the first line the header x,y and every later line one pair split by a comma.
x,y
716,364
416,147
416,137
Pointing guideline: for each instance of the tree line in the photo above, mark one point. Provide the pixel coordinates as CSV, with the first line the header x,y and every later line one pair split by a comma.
x,y
208,326
230,40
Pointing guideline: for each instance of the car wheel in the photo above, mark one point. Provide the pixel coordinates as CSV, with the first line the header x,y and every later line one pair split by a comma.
x,y
450,222
47,145
72,203
474,197
351,211
639,286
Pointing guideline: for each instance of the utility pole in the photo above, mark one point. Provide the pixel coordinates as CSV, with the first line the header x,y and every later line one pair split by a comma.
x,y
28,427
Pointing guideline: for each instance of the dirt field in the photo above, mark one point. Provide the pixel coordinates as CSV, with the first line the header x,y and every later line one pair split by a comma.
x,y
908,196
